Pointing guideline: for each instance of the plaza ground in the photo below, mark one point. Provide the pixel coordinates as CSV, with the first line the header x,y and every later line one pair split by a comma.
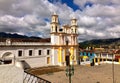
x,y
84,74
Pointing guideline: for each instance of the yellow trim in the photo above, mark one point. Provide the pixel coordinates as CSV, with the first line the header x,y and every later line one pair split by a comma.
x,y
60,55
48,60
71,53
94,60
98,60
85,57
119,60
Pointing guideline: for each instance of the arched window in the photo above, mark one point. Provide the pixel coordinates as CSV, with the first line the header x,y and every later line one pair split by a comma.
x,y
56,28
75,30
55,19
52,28
71,30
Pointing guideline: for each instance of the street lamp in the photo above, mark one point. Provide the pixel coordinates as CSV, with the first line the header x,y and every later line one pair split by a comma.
x,y
69,67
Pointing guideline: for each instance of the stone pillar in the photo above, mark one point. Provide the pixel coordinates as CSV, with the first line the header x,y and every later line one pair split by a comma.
x,y
72,55
106,57
60,55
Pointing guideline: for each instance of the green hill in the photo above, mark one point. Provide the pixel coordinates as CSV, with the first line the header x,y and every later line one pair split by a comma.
x,y
100,42
15,35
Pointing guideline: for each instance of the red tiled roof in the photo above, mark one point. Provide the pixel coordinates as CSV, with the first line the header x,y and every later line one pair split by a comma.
x,y
87,51
117,57
2,39
25,40
117,52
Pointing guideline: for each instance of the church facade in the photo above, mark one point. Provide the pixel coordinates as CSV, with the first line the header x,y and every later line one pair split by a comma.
x,y
43,52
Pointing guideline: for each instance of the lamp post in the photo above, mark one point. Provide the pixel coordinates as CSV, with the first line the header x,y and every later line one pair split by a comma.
x,y
69,68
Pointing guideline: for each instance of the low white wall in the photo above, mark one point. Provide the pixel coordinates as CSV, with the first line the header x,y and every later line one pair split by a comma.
x,y
36,61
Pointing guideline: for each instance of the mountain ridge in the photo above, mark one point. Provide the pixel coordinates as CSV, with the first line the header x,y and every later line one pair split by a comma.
x,y
15,35
100,42
94,42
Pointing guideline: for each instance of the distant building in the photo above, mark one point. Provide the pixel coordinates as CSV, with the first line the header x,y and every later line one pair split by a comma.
x,y
99,56
87,57
43,52
117,55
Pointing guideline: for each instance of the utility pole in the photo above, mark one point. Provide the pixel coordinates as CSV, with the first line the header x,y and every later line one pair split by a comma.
x,y
113,67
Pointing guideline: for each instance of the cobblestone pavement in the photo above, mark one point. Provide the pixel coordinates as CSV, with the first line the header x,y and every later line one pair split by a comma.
x,y
87,74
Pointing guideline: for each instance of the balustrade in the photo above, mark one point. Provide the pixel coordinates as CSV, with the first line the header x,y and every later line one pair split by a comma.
x,y
31,78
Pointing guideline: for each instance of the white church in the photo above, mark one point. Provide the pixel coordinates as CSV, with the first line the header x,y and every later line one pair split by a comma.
x,y
42,52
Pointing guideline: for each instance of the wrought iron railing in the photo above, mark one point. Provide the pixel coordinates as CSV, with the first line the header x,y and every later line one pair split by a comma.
x,y
31,78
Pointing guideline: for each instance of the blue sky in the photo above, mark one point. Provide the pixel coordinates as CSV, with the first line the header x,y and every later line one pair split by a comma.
x,y
97,19
68,2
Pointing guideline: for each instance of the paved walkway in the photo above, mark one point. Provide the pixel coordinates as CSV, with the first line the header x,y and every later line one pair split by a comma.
x,y
11,74
84,74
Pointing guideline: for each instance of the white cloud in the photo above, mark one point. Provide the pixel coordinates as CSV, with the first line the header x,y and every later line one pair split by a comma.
x,y
115,29
81,30
101,20
103,2
23,16
93,33
87,21
12,21
102,10
106,16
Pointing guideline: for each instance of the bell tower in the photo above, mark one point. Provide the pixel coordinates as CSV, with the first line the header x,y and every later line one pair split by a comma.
x,y
54,29
74,31
54,23
74,26
55,39
74,42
